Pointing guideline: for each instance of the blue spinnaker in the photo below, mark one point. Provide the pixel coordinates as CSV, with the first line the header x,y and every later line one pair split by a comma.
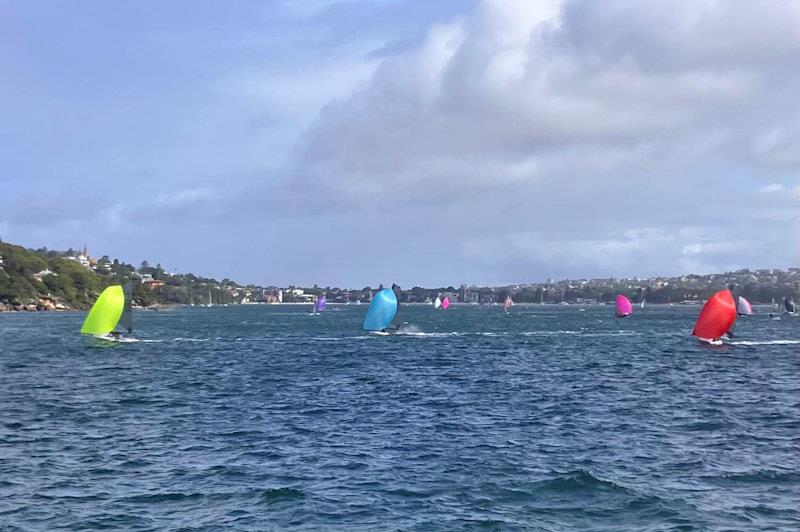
x,y
381,311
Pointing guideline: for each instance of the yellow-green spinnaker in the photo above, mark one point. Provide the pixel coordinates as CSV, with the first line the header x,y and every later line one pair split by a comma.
x,y
106,311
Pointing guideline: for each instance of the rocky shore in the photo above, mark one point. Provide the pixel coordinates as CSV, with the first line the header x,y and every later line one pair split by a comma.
x,y
50,304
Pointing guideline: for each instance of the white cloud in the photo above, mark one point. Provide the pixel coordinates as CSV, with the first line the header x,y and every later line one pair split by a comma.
x,y
584,118
517,86
768,189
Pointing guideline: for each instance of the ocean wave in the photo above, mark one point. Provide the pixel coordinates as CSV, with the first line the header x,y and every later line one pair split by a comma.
x,y
273,495
156,498
759,476
579,480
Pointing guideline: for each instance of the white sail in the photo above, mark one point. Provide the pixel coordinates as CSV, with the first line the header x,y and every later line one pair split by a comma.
x,y
437,303
743,307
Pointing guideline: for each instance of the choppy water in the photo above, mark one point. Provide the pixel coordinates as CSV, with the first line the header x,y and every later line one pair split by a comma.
x,y
260,417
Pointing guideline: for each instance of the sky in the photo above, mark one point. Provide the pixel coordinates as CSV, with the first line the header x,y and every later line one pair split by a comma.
x,y
352,143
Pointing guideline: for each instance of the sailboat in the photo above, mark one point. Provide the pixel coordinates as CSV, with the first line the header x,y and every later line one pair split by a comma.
x,y
743,307
381,312
508,304
438,303
319,305
623,306
209,298
716,318
790,305
445,303
111,310
776,310
641,305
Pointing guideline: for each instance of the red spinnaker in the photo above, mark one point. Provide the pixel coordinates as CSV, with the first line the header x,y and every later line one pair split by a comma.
x,y
717,317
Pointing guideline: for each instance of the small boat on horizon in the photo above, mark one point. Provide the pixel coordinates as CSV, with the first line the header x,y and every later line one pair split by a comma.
x,y
743,307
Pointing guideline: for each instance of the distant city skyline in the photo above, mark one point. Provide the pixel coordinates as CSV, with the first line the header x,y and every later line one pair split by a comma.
x,y
355,143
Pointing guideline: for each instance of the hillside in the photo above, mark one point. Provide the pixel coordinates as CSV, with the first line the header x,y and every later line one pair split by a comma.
x,y
44,280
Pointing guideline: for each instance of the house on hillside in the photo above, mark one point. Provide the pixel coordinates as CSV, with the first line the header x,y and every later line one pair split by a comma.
x,y
42,274
152,284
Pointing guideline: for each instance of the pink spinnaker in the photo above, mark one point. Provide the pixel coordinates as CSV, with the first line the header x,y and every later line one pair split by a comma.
x,y
445,303
744,308
623,305
508,304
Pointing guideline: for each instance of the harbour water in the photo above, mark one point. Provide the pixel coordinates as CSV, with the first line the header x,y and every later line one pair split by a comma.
x,y
263,417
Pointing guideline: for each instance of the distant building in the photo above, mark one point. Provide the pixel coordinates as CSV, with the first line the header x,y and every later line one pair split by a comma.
x,y
42,274
152,284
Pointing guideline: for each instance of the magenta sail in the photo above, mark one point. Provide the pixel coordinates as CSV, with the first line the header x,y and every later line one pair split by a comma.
x,y
445,303
624,307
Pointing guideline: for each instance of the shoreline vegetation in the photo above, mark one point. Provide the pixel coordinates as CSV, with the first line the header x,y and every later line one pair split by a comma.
x,y
47,280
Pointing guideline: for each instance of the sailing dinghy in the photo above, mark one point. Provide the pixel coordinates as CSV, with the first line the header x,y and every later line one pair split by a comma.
x,y
438,303
508,304
445,303
111,310
381,312
716,318
319,305
623,306
744,308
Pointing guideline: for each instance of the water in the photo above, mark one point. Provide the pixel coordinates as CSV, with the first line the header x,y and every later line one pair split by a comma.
x,y
258,417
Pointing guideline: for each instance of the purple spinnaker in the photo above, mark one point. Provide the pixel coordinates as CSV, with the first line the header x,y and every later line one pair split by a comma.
x,y
320,305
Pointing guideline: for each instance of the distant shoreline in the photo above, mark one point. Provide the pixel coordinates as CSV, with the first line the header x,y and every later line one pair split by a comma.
x,y
365,305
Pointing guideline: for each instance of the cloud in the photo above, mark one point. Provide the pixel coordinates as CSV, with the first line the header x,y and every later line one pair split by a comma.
x,y
487,141
605,118
774,187
517,90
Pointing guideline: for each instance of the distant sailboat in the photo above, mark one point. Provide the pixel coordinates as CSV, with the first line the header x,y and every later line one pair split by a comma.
x,y
319,306
790,305
642,304
716,318
438,303
508,304
445,303
776,310
744,308
623,306
112,309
